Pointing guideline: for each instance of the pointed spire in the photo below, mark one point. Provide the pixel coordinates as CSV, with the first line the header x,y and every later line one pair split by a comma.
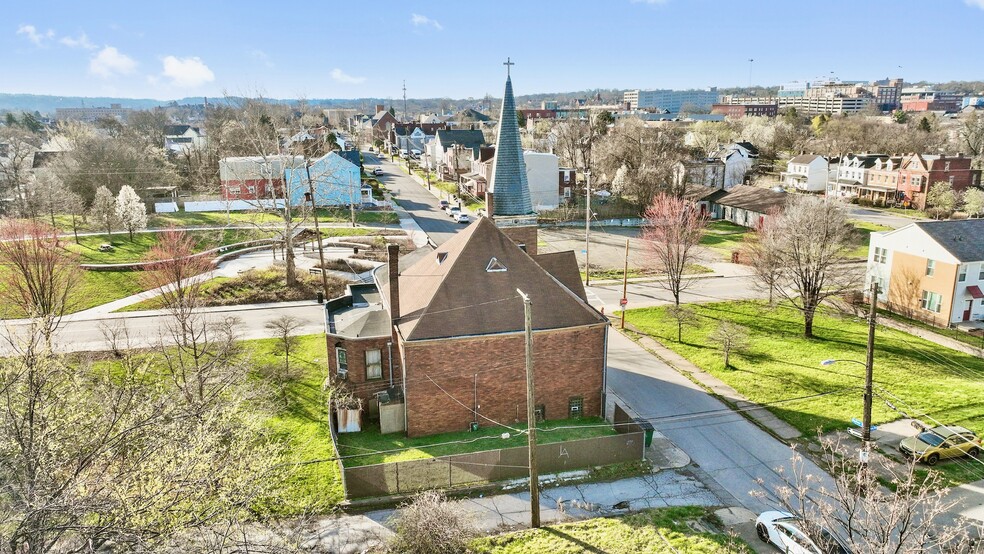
x,y
508,184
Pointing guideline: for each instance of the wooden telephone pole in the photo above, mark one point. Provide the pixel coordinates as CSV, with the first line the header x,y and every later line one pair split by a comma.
x,y
625,285
531,414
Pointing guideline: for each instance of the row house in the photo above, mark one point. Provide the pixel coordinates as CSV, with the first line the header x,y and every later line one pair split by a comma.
x,y
920,171
451,152
850,178
738,111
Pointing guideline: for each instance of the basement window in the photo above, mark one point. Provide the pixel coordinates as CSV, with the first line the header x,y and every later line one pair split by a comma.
x,y
575,407
495,266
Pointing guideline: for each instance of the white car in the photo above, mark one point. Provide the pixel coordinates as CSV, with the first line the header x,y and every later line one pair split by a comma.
x,y
452,210
784,531
377,171
462,218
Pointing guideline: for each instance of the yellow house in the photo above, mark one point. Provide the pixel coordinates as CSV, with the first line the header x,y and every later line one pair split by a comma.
x,y
930,270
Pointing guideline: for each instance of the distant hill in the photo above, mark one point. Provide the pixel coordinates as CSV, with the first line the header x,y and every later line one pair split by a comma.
x,y
47,104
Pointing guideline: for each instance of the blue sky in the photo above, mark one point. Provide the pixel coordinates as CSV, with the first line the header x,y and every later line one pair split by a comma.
x,y
350,49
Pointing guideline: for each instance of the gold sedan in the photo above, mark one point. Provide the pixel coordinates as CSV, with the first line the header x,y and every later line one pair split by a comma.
x,y
940,443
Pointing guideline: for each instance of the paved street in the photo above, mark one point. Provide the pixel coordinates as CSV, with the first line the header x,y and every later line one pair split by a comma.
x,y
416,199
887,219
724,446
650,293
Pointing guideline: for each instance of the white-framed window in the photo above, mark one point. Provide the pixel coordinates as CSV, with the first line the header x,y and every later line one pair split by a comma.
x,y
980,275
233,190
930,267
946,167
931,301
881,255
374,364
962,276
341,356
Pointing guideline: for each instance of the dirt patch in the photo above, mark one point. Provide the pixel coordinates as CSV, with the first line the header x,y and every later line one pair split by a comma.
x,y
261,286
376,248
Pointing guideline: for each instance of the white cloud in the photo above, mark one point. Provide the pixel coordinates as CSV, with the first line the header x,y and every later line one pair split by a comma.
x,y
422,20
33,35
187,72
975,3
81,42
262,57
344,78
110,61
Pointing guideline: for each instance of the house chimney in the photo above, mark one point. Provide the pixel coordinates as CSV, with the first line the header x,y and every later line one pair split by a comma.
x,y
393,252
379,108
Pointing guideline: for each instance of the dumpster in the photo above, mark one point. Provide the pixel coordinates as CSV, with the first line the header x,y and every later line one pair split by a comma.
x,y
648,429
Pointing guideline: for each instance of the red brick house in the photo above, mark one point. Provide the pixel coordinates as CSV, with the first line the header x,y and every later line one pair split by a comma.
x,y
252,177
920,171
738,111
457,350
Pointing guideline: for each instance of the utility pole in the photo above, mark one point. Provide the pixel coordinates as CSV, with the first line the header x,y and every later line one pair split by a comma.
x,y
869,366
406,117
625,285
531,414
587,231
317,231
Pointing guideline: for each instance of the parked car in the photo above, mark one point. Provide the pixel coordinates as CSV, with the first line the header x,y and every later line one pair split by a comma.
x,y
444,205
939,443
453,210
462,218
377,171
785,532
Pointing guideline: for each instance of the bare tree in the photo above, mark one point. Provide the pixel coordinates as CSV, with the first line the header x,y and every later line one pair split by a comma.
x,y
972,136
809,240
731,337
176,271
284,330
42,277
765,261
905,291
430,524
684,317
673,229
911,516
651,158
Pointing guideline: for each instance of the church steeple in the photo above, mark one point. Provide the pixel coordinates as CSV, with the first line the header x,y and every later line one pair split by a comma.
x,y
508,184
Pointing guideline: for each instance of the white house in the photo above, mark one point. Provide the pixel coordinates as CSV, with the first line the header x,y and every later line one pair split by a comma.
x,y
738,158
931,271
543,175
807,173
178,138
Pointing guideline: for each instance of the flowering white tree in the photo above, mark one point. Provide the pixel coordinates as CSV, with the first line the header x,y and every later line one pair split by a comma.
x,y
130,210
103,209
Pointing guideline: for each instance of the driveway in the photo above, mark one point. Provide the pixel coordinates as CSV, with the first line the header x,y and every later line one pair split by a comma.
x,y
727,450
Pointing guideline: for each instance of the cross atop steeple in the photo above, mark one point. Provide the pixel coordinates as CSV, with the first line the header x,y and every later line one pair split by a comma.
x,y
508,63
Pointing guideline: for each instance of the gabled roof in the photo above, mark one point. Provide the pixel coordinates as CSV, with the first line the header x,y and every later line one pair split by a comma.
x,y
804,158
962,238
563,267
176,130
749,147
450,294
754,199
469,138
470,115
353,156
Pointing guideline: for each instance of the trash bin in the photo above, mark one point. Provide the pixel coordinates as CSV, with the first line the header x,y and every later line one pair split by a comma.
x,y
734,257
321,298
648,429
474,426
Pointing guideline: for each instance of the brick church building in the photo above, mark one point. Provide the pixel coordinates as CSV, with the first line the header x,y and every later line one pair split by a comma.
x,y
440,341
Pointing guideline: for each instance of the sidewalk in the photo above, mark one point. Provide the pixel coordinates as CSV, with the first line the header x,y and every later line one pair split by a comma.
x,y
760,415
506,511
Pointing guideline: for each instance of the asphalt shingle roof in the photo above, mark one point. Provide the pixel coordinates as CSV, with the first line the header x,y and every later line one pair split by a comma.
x,y
962,238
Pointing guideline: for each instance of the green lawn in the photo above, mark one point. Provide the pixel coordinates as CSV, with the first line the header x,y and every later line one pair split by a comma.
x,y
303,425
724,236
486,438
862,237
973,340
642,533
781,364
134,250
218,219
95,288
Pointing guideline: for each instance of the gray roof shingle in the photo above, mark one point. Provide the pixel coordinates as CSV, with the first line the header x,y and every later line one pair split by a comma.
x,y
962,238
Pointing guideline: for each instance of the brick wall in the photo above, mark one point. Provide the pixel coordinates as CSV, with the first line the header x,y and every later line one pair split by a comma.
x,y
523,235
356,380
567,363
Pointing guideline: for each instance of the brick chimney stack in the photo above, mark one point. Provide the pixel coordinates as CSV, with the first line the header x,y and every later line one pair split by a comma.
x,y
393,252
379,108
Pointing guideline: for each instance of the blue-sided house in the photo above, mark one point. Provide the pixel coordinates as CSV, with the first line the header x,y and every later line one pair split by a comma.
x,y
335,180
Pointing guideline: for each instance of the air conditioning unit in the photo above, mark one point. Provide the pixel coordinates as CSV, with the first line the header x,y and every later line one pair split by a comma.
x,y
343,374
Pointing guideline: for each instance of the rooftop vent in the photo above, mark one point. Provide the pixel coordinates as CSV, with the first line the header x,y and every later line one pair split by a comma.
x,y
495,266
441,256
